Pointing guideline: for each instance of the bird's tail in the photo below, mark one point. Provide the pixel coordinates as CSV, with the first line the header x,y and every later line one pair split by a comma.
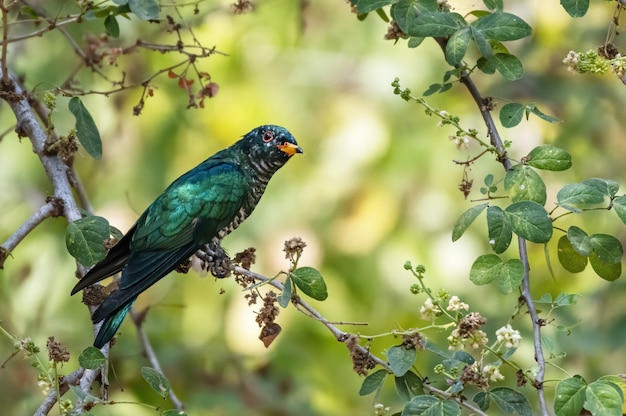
x,y
111,324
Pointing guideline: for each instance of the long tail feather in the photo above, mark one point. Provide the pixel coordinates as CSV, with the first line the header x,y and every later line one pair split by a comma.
x,y
111,325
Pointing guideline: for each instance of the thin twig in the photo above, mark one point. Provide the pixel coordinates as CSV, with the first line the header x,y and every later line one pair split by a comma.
x,y
342,336
50,209
151,356
503,158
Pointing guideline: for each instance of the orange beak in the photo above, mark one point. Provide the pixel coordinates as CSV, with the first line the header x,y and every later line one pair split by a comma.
x,y
290,148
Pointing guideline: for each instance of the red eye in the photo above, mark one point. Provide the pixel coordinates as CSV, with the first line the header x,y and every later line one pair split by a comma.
x,y
268,136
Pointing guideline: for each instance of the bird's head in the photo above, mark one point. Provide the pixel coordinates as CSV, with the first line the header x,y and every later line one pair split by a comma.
x,y
272,145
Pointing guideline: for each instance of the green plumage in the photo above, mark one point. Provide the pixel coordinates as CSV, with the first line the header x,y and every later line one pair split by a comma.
x,y
200,207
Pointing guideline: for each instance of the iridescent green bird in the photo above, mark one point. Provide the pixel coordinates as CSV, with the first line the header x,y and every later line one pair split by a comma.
x,y
197,209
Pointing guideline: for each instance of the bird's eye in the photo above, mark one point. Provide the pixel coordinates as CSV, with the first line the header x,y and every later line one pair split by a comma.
x,y
268,136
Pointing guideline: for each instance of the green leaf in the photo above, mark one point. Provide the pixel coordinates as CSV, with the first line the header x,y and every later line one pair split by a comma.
x,y
86,129
432,89
415,41
435,24
570,396
619,204
409,386
607,248
510,276
511,114
580,240
401,359
145,9
285,296
457,46
373,382
482,399
508,66
406,10
530,221
607,271
548,157
532,108
578,194
575,8
91,358
84,396
466,219
524,184
482,43
173,412
310,281
570,259
494,5
156,380
500,230
85,238
111,26
607,187
566,299
430,406
502,26
604,398
485,269
510,401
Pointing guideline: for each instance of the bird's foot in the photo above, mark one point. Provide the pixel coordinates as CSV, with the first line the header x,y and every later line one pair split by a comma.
x,y
214,259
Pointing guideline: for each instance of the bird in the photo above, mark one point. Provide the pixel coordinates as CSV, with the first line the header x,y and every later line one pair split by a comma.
x,y
198,209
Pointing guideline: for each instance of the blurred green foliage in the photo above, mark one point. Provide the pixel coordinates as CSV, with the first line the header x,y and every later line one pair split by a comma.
x,y
376,187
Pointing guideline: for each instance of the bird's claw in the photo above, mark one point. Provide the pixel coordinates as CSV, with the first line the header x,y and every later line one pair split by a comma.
x,y
215,259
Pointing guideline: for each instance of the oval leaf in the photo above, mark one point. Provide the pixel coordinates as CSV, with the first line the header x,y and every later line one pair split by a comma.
x,y
511,114
373,382
144,9
91,358
579,240
85,238
310,281
429,405
285,296
530,221
156,380
86,129
485,269
548,157
500,230
570,258
502,26
510,401
619,204
606,187
466,219
510,276
457,46
607,248
570,396
409,386
578,194
524,184
401,359
604,398
606,271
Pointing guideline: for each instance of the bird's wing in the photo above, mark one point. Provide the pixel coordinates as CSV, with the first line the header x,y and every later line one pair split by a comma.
x,y
187,215
199,200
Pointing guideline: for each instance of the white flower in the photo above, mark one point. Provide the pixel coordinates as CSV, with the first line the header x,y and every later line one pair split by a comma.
x,y
429,311
455,304
492,372
511,337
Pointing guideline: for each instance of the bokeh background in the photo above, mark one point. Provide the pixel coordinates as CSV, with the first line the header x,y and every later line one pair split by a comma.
x,y
376,187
